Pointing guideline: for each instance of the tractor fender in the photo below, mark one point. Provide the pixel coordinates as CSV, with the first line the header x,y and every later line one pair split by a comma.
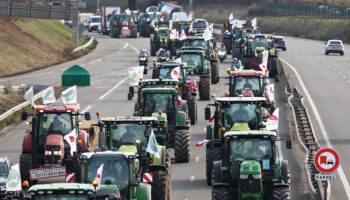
x,y
181,118
284,171
209,132
161,159
83,136
143,191
27,143
218,177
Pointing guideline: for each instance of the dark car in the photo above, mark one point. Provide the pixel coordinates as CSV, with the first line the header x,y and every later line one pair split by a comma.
x,y
280,42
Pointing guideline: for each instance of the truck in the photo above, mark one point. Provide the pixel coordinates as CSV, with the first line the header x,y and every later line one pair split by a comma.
x,y
106,15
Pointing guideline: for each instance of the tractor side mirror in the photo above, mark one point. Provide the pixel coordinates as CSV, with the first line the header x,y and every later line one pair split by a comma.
x,y
87,116
24,116
207,113
92,132
288,144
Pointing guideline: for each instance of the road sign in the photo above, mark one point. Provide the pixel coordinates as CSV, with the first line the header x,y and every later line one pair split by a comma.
x,y
325,177
326,160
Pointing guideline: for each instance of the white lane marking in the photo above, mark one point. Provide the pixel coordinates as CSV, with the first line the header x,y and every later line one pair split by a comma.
x,y
125,45
348,81
197,158
205,129
344,77
335,69
134,48
86,109
113,88
192,178
322,127
339,72
95,61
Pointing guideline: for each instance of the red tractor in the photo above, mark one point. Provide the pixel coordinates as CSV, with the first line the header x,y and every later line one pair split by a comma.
x,y
123,26
53,143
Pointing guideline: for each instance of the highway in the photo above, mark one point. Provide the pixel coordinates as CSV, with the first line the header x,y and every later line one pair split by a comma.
x,y
108,65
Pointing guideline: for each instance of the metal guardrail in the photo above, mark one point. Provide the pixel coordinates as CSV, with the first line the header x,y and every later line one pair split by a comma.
x,y
20,106
84,46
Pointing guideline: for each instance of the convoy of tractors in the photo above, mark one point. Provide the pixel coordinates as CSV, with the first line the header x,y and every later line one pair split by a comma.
x,y
128,157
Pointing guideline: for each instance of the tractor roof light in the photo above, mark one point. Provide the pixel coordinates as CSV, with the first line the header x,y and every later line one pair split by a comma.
x,y
212,95
223,129
160,112
80,141
97,113
25,184
95,183
188,59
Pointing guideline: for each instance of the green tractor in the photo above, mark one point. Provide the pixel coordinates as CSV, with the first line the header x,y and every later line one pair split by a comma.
x,y
131,135
160,39
253,54
72,191
231,113
120,175
163,103
251,168
197,69
211,53
187,88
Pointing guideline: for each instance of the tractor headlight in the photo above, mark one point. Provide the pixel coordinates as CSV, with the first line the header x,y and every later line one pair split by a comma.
x,y
48,153
244,176
147,20
142,58
257,176
57,153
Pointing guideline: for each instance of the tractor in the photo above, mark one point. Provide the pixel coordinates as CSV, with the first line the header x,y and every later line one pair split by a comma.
x,y
198,26
197,69
123,26
119,175
253,50
231,113
251,168
53,143
160,39
187,88
131,135
164,104
211,54
145,22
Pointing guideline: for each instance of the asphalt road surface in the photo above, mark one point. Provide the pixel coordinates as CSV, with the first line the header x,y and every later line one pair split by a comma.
x,y
109,64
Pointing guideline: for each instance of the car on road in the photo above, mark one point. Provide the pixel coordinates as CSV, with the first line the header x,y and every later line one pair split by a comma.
x,y
5,166
93,23
334,46
280,42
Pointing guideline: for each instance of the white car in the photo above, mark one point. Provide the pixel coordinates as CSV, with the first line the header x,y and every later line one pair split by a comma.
x,y
5,166
334,46
94,22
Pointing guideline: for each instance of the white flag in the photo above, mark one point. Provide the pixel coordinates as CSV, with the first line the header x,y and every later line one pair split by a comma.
x,y
173,34
207,35
271,92
29,96
272,121
175,73
263,65
72,141
70,96
49,96
135,75
13,182
230,17
178,60
139,70
152,146
98,177
182,35
254,22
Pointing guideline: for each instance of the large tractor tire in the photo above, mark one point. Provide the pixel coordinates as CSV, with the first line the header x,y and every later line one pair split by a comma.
x,y
133,32
204,88
285,173
192,109
168,168
25,164
153,49
115,32
220,193
182,145
212,154
214,72
273,67
146,31
281,193
160,185
228,45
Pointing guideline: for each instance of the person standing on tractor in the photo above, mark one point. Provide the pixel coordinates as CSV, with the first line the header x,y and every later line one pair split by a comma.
x,y
236,65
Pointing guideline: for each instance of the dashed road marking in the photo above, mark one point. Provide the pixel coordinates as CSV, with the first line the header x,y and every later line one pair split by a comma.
x,y
197,158
95,61
86,109
125,45
192,178
113,88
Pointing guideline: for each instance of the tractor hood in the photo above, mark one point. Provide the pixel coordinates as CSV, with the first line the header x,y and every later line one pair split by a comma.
x,y
128,148
54,140
240,126
160,117
250,167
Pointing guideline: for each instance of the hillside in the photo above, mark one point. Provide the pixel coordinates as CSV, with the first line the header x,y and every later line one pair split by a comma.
x,y
29,44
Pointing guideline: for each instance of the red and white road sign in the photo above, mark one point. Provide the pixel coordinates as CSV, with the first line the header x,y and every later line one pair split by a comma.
x,y
326,160
70,177
147,177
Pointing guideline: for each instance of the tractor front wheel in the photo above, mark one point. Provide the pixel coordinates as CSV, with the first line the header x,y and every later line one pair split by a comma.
x,y
214,72
212,154
159,185
182,145
220,193
281,193
204,88
25,164
192,109
133,32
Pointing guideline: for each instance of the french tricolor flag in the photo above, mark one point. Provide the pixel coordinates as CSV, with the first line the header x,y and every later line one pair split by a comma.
x,y
201,143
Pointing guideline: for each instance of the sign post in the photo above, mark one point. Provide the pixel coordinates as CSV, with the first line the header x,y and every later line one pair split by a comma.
x,y
326,161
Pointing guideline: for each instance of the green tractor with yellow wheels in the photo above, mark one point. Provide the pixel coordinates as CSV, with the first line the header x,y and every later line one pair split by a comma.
x,y
251,168
232,114
132,135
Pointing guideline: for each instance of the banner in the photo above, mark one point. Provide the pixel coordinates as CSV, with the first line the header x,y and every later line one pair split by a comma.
x,y
254,22
135,75
263,65
71,140
182,35
98,177
13,182
49,96
29,96
272,121
207,35
173,34
152,146
70,96
271,92
175,73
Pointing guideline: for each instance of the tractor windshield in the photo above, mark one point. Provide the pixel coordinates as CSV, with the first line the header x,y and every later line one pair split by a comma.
x,y
54,123
245,84
192,59
155,102
154,17
199,24
168,72
196,43
124,18
115,170
122,134
163,32
61,197
260,42
241,112
247,149
184,27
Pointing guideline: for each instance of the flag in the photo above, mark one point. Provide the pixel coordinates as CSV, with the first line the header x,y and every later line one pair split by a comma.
x,y
201,143
207,35
189,18
175,73
139,70
134,77
13,182
230,17
49,96
71,140
211,27
152,146
254,22
263,65
29,96
182,35
271,92
178,60
179,97
98,177
272,121
70,96
173,34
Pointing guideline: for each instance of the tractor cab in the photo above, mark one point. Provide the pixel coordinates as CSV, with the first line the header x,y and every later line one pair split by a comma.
x,y
246,83
194,57
199,26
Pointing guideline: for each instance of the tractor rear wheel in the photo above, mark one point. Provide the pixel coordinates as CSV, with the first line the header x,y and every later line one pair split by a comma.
x,y
214,72
25,164
159,185
220,193
281,193
204,88
192,109
146,31
133,32
182,145
212,154
273,67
